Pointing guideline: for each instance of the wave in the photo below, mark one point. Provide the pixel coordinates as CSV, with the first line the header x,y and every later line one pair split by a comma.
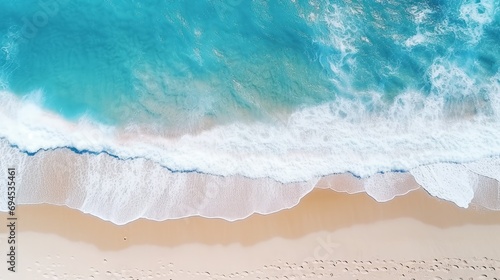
x,y
336,137
232,171
121,191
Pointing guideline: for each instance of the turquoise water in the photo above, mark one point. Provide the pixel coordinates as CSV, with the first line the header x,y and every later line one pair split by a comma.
x,y
174,62
165,58
179,66
223,108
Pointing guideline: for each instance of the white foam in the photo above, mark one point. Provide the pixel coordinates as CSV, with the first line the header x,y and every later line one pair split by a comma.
x,y
123,191
480,12
385,187
476,15
415,40
447,181
382,186
315,141
488,167
420,13
342,35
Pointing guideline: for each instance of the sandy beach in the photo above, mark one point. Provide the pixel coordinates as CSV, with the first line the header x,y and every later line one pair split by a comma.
x,y
329,235
233,139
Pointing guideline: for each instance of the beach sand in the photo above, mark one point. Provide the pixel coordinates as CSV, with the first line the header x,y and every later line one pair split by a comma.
x,y
329,235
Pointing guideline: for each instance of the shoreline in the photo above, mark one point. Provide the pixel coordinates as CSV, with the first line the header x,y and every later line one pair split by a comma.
x,y
130,190
279,147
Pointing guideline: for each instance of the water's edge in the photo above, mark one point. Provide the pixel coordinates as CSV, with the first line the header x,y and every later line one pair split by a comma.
x,y
122,191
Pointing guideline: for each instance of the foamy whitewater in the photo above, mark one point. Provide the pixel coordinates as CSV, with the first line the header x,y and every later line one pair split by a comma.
x,y
169,109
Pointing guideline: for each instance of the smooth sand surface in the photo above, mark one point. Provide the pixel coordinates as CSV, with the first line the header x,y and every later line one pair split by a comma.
x,y
328,235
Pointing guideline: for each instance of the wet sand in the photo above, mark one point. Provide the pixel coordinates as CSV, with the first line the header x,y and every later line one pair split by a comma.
x,y
329,235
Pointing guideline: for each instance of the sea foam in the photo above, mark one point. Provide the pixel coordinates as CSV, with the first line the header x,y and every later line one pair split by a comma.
x,y
232,171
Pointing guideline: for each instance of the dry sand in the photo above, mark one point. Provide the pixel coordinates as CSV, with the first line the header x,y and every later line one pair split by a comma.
x,y
327,236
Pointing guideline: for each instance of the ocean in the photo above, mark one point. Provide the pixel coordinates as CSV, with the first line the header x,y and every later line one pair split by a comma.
x,y
223,108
